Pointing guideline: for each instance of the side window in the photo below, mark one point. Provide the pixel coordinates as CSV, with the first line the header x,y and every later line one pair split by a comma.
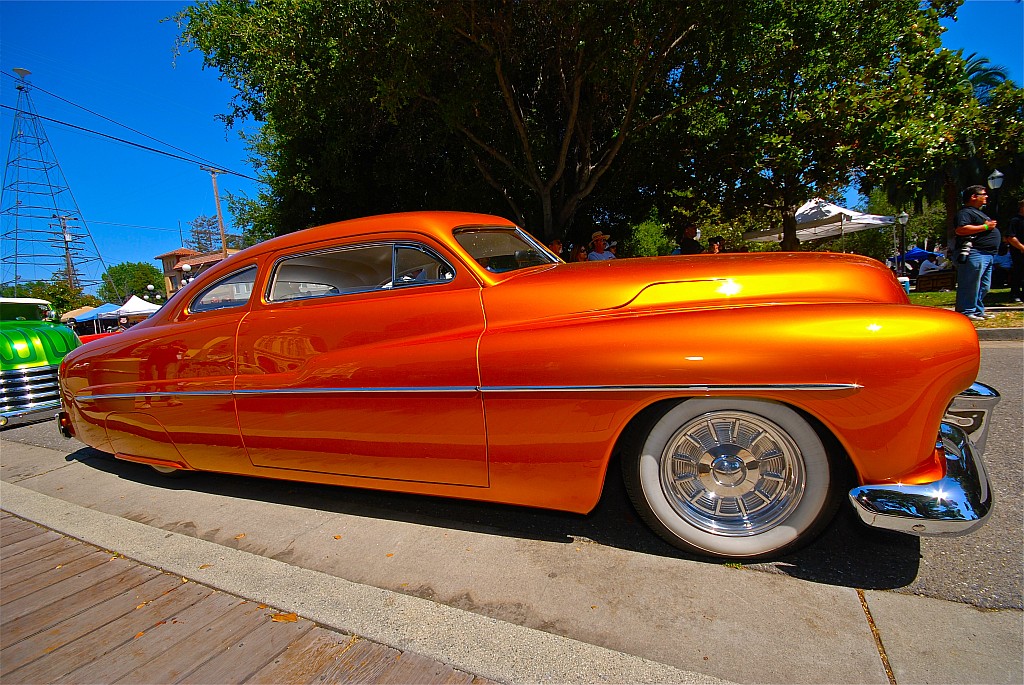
x,y
233,291
350,270
414,266
356,270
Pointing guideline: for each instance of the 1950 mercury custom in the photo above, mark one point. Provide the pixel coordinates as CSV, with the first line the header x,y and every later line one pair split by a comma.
x,y
744,396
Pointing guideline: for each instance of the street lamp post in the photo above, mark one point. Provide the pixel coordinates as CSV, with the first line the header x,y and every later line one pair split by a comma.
x,y
995,182
903,218
150,288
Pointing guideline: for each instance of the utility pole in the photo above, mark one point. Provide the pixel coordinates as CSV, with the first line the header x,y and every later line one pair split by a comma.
x,y
67,238
220,216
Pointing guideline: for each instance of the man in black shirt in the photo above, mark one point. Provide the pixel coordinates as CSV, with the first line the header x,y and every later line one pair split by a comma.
x,y
687,241
1015,239
977,243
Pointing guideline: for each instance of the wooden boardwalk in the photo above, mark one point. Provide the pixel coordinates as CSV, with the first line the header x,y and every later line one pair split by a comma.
x,y
73,613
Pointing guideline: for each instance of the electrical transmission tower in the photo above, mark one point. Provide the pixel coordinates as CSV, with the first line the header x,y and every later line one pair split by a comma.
x,y
43,234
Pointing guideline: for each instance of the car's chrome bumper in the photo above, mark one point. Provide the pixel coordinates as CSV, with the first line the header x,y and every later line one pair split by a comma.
x,y
954,505
37,412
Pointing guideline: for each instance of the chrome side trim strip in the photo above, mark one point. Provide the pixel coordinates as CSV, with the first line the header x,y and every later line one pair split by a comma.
x,y
358,391
133,395
672,388
799,387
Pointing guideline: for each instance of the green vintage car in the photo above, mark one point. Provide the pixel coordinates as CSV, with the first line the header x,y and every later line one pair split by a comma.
x,y
32,346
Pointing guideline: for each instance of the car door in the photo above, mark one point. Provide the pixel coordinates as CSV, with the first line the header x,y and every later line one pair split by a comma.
x,y
361,361
169,385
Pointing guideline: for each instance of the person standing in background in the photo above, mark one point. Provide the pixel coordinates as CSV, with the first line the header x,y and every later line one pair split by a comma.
x,y
977,242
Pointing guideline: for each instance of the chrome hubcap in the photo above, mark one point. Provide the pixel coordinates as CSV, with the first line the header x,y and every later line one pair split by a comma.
x,y
732,473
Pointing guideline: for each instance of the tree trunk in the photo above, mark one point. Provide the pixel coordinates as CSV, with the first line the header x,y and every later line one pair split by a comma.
x,y
790,243
952,202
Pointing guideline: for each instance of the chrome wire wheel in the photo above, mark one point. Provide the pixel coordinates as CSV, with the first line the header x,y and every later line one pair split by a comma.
x,y
732,473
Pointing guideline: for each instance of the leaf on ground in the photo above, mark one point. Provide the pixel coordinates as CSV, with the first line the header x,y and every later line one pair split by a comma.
x,y
205,565
284,618
261,606
139,634
142,605
58,566
390,554
160,623
337,537
240,536
184,579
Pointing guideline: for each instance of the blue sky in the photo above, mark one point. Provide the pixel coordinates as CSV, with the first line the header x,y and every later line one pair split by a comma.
x,y
118,59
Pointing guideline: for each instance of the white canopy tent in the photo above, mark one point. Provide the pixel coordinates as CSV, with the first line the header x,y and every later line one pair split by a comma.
x,y
820,219
135,306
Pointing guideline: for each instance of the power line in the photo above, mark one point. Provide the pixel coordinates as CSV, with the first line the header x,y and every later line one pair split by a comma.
x,y
113,121
133,144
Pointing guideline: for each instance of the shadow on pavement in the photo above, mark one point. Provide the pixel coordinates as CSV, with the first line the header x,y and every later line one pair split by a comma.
x,y
846,554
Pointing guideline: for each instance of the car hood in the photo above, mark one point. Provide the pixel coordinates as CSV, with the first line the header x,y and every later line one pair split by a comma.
x,y
28,344
702,281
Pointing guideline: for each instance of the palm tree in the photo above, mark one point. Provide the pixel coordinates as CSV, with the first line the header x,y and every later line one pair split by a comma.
x,y
944,183
982,77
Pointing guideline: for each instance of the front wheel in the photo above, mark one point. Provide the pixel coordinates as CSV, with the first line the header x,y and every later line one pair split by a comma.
x,y
732,478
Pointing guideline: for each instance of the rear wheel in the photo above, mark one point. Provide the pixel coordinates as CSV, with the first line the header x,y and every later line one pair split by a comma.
x,y
168,471
732,478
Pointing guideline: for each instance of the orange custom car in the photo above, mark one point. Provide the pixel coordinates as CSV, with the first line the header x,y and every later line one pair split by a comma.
x,y
747,396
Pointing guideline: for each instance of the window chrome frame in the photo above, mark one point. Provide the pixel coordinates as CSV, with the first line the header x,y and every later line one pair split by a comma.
x,y
394,245
219,282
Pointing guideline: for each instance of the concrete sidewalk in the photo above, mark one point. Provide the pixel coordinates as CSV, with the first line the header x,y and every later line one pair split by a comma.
x,y
754,626
467,642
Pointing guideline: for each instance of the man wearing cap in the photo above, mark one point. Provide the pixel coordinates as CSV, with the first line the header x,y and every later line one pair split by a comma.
x,y
599,253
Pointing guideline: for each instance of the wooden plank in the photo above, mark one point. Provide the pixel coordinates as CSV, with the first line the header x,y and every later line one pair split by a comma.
x,y
202,644
105,637
249,653
44,564
415,669
304,658
13,630
56,584
164,636
20,557
462,678
20,533
9,523
74,627
361,663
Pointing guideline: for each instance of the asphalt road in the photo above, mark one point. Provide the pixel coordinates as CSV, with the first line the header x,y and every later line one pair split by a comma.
x,y
983,569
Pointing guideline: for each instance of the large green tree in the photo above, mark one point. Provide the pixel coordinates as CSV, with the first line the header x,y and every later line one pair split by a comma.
x,y
121,281
858,79
549,111
963,145
525,108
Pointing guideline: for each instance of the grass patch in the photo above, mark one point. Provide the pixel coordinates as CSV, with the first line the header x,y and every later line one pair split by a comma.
x,y
995,298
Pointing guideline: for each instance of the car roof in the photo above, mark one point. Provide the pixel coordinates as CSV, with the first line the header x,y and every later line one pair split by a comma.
x,y
436,224
23,300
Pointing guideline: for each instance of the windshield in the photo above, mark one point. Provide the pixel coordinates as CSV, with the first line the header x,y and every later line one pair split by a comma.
x,y
502,249
24,311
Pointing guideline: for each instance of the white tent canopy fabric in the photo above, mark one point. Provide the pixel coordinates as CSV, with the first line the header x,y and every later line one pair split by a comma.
x,y
820,219
136,306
